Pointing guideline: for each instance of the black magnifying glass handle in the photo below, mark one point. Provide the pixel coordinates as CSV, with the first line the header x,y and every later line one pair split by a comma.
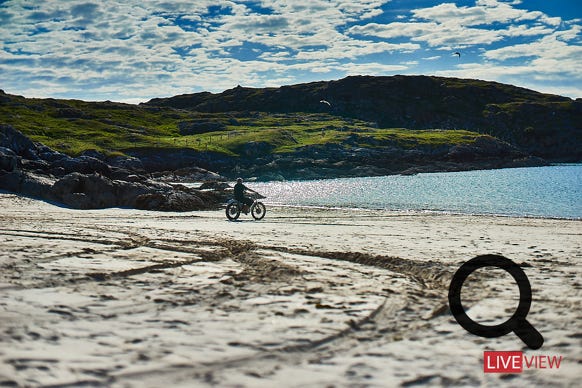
x,y
529,335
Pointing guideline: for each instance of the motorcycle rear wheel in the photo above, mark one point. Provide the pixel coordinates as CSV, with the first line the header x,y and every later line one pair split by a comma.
x,y
232,211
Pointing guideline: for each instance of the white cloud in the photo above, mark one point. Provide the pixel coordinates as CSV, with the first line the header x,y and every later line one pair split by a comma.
x,y
433,33
485,12
141,49
452,26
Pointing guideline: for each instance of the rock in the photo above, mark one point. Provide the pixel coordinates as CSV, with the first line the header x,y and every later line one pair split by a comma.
x,y
27,183
49,155
17,142
150,201
122,174
8,159
85,191
84,182
94,154
483,147
196,127
127,163
214,186
128,192
58,172
173,201
196,174
37,165
95,192
83,165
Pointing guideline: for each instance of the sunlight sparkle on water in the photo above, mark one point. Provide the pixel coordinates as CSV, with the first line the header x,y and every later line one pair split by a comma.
x,y
553,191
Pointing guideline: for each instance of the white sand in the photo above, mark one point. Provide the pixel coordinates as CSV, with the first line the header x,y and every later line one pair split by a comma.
x,y
305,297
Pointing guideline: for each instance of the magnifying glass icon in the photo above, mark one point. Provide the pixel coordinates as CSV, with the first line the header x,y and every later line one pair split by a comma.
x,y
517,323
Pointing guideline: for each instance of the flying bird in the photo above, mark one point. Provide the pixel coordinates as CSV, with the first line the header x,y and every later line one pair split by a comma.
x,y
457,53
325,102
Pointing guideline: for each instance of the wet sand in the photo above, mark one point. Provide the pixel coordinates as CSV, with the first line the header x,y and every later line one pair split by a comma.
x,y
305,297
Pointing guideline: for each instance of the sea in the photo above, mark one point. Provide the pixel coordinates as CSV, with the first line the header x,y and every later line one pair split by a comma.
x,y
550,192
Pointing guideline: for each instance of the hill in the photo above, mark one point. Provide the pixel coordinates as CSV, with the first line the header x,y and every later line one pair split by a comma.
x,y
544,125
369,126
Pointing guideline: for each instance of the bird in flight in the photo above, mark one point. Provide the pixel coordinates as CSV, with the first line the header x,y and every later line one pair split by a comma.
x,y
325,102
457,53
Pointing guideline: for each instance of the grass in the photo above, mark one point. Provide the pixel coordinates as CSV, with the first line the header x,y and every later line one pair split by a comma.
x,y
73,126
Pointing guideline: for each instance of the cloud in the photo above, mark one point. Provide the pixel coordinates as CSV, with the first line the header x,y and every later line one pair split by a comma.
x,y
87,12
148,48
433,33
141,41
448,25
485,12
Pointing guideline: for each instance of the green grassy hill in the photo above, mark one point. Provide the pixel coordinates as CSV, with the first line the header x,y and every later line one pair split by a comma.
x,y
544,125
371,126
73,126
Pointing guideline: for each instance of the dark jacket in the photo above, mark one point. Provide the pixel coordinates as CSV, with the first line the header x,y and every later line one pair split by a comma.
x,y
239,191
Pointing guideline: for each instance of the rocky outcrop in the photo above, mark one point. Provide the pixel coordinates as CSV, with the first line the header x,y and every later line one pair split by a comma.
x,y
386,157
188,174
18,143
86,182
8,159
333,160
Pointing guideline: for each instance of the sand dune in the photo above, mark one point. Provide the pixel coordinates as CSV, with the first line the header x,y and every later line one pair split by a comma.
x,y
306,297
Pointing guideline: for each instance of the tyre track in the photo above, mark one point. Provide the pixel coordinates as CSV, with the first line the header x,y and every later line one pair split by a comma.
x,y
368,328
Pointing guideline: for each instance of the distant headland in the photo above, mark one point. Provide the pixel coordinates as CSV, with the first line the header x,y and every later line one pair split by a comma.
x,y
356,126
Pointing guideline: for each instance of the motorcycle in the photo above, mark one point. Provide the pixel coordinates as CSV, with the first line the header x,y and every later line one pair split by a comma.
x,y
234,208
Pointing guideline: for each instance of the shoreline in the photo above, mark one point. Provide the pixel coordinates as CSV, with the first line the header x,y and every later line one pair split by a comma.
x,y
125,297
383,211
419,212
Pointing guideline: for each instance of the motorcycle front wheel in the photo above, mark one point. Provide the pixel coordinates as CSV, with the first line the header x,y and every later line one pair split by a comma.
x,y
258,211
232,211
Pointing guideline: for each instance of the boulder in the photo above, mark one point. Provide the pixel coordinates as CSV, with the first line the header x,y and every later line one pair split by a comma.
x,y
27,183
85,191
122,174
127,163
213,185
17,142
8,159
35,165
94,191
49,155
197,174
84,182
172,201
83,165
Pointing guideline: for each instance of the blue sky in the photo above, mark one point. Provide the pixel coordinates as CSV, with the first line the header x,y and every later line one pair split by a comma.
x,y
134,50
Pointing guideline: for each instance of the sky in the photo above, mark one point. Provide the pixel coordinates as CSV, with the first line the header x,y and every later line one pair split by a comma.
x,y
135,50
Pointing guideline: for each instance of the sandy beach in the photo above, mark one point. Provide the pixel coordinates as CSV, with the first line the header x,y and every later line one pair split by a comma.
x,y
305,297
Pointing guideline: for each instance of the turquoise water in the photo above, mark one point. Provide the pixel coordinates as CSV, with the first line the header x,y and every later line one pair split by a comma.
x,y
553,191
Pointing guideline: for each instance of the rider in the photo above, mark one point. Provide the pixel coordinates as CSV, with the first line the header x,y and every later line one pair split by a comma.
x,y
239,194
